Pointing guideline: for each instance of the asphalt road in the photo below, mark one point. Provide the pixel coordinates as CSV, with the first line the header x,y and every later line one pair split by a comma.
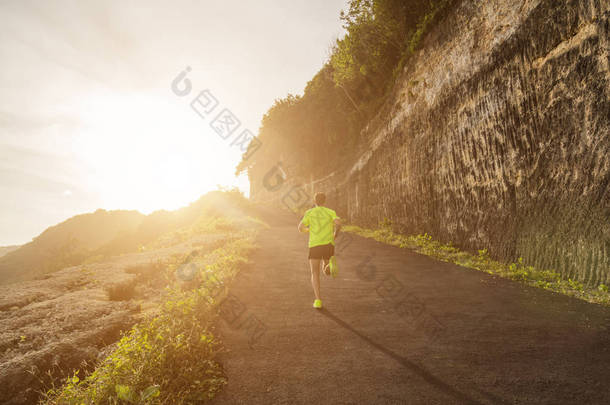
x,y
401,328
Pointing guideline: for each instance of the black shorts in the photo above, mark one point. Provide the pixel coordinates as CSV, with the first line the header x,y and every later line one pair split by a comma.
x,y
322,252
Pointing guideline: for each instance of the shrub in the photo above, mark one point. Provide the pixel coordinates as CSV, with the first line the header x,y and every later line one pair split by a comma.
x,y
123,291
145,273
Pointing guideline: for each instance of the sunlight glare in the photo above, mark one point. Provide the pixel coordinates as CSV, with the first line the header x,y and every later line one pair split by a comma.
x,y
146,153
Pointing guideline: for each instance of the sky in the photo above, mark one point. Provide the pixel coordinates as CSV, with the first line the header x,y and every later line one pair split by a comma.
x,y
89,117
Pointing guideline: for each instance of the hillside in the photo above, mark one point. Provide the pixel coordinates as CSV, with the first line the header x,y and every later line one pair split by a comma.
x,y
67,243
7,249
98,235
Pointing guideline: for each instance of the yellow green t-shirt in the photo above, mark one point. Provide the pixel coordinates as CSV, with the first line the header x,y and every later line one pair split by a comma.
x,y
320,221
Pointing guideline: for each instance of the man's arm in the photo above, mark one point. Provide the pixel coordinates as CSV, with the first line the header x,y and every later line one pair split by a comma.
x,y
337,222
303,228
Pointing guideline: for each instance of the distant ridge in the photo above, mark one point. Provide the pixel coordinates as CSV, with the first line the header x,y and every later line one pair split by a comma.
x,y
102,232
7,249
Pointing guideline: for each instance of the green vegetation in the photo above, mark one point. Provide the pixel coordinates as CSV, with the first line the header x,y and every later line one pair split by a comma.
x,y
350,88
424,244
168,357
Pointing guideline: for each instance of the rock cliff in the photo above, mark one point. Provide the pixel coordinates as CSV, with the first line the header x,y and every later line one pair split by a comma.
x,y
496,136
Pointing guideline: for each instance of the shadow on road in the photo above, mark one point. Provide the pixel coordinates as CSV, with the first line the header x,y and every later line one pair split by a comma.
x,y
427,376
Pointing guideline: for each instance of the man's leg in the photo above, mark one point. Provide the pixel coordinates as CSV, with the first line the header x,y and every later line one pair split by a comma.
x,y
327,260
314,265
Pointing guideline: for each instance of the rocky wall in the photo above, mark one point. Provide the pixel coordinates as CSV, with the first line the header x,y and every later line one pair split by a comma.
x,y
497,137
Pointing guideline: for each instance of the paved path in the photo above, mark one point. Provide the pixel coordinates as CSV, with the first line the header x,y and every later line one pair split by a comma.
x,y
401,328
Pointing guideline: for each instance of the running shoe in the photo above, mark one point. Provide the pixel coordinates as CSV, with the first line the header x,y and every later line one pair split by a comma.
x,y
317,304
334,268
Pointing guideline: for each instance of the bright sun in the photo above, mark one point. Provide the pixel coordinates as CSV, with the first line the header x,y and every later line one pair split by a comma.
x,y
148,153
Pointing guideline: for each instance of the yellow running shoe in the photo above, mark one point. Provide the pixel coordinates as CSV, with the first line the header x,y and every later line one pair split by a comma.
x,y
334,268
317,304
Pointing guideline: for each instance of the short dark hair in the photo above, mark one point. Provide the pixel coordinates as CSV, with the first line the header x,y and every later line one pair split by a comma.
x,y
319,198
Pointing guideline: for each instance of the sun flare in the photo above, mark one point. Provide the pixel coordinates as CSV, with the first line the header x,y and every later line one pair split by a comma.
x,y
147,153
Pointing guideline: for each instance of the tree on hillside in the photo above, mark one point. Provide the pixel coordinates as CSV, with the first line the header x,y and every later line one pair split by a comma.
x,y
347,92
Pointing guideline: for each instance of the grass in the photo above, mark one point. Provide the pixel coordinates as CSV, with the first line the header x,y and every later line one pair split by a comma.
x,y
547,279
168,358
205,225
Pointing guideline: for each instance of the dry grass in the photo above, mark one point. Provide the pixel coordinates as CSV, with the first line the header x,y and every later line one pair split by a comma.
x,y
123,291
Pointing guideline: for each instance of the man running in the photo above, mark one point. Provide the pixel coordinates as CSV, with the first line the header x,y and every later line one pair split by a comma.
x,y
323,225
